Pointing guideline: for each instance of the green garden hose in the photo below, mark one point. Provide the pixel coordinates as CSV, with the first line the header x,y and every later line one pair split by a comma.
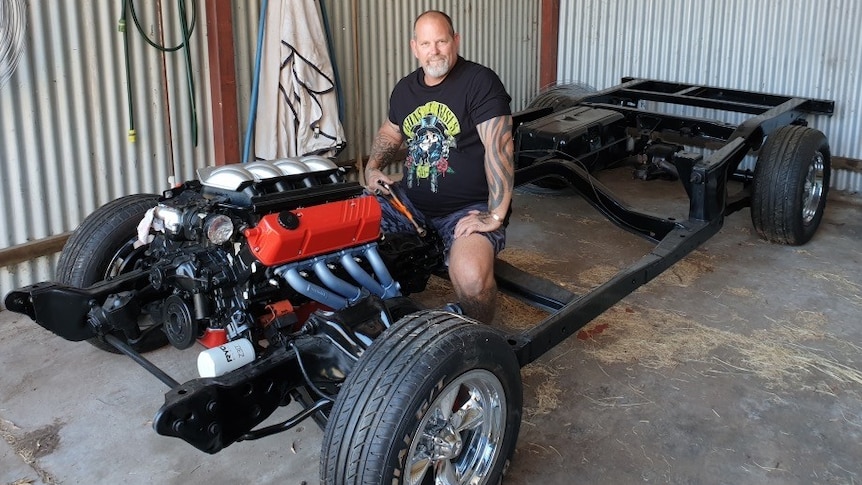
x,y
187,30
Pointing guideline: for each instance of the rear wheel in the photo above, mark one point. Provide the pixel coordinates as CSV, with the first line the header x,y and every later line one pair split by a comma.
x,y
436,399
102,247
562,96
791,182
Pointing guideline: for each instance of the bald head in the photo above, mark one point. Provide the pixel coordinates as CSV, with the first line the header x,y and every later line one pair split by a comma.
x,y
435,45
434,16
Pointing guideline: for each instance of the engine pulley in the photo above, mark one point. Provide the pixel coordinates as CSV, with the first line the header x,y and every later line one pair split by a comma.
x,y
180,326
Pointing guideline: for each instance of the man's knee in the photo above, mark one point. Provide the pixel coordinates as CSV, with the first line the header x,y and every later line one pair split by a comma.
x,y
471,280
471,265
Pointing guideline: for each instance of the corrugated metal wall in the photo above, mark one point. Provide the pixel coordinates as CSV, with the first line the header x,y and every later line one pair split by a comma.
x,y
371,43
64,119
63,115
374,53
792,47
245,28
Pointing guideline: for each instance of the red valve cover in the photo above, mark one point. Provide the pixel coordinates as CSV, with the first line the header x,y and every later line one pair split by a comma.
x,y
319,229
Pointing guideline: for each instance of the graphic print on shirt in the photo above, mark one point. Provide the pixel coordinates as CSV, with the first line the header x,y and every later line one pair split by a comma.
x,y
430,130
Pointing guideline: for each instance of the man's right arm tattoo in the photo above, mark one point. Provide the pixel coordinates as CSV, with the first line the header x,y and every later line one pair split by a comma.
x,y
382,152
386,144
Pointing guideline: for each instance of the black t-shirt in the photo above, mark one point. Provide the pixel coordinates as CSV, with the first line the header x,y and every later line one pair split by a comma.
x,y
445,166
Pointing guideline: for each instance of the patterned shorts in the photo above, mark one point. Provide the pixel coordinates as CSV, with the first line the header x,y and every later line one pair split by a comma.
x,y
395,222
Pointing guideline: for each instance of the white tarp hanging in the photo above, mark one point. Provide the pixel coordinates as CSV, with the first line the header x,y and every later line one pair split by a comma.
x,y
297,108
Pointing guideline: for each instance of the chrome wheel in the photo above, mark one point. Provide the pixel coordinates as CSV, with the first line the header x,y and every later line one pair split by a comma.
x,y
436,399
813,189
460,435
791,185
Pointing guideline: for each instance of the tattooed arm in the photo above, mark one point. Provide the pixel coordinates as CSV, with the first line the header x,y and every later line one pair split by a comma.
x,y
386,144
496,135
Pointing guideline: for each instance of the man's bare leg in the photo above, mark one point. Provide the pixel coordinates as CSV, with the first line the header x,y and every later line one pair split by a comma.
x,y
471,270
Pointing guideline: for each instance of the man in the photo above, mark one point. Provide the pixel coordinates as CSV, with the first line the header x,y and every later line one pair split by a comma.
x,y
458,176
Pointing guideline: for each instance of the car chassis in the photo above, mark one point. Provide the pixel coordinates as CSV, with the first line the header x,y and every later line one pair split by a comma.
x,y
563,142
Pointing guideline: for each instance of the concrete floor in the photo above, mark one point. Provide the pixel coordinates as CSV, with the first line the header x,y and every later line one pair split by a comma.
x,y
739,365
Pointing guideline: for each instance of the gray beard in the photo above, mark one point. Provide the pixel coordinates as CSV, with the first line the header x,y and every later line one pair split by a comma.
x,y
437,69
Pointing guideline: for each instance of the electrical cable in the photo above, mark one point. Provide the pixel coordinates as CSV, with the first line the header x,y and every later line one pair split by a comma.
x,y
308,380
255,85
607,211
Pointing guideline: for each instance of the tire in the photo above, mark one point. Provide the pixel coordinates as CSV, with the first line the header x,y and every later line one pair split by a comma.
x,y
791,183
434,381
102,247
562,96
401,306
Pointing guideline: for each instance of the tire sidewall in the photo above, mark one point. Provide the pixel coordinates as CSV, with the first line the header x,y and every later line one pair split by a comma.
x,y
71,269
478,351
780,177
95,270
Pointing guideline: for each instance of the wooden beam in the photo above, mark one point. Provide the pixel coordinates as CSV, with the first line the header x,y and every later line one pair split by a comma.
x,y
550,37
220,51
32,250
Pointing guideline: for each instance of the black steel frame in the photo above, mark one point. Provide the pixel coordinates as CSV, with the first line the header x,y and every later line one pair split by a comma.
x,y
242,399
705,180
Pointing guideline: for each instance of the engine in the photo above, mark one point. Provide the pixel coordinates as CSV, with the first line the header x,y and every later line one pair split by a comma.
x,y
250,251
278,268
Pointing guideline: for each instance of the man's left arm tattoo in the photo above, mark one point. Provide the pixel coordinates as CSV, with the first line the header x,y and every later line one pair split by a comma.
x,y
496,135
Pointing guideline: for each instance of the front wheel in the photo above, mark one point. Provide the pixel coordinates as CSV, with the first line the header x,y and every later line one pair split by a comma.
x,y
436,399
791,182
102,247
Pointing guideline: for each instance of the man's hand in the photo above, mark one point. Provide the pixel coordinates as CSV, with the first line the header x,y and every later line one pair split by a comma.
x,y
476,221
376,180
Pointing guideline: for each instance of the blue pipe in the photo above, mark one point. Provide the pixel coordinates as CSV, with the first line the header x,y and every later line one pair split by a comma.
x,y
309,289
390,286
255,84
360,275
336,284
